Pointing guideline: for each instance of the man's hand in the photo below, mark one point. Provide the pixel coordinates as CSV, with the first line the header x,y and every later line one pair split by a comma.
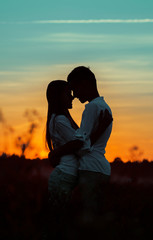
x,y
53,159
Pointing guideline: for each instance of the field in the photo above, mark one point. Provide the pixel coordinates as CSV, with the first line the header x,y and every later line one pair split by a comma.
x,y
128,211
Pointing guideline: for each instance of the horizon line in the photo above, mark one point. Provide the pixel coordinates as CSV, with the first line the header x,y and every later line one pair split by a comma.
x,y
88,21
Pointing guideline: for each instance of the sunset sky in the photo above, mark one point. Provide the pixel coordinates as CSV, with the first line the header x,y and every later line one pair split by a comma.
x,y
44,40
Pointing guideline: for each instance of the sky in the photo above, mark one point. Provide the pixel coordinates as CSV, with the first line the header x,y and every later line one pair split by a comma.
x,y
41,41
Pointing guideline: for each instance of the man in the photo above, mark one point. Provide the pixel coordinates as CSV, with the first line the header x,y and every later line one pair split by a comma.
x,y
94,169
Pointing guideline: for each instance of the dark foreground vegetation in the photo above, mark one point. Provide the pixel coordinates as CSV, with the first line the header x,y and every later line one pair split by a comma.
x,y
128,211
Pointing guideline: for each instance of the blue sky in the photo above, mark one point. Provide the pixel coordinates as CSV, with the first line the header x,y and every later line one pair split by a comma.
x,y
24,42
67,9
33,51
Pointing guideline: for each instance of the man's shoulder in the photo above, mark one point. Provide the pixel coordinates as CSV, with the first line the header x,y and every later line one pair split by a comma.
x,y
90,105
96,103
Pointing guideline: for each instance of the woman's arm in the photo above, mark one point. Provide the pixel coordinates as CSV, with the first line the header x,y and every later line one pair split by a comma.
x,y
68,148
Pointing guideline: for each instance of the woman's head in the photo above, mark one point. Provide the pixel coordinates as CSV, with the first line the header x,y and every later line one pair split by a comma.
x,y
59,101
59,96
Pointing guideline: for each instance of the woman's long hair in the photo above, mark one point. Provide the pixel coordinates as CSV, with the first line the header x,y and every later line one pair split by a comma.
x,y
54,93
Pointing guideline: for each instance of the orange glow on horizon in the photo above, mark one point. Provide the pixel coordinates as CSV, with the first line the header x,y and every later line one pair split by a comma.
x,y
131,137
119,144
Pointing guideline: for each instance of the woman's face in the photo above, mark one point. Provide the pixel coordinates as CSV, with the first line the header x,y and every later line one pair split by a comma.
x,y
67,98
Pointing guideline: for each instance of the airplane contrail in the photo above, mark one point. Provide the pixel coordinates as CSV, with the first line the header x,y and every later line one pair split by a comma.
x,y
97,21
83,21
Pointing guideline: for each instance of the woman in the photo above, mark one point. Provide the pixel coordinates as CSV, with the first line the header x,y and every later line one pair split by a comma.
x,y
60,129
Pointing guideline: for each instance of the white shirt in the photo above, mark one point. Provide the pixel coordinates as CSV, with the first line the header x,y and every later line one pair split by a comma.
x,y
94,157
62,132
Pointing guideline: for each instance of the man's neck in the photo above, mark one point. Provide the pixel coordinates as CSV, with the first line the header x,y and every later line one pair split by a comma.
x,y
93,96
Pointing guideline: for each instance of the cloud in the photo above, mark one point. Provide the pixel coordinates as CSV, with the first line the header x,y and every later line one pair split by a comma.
x,y
109,40
82,21
95,21
69,37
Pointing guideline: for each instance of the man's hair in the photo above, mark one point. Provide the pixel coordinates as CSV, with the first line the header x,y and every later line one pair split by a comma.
x,y
80,74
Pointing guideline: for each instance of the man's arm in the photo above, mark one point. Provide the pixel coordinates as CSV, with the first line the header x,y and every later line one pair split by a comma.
x,y
105,119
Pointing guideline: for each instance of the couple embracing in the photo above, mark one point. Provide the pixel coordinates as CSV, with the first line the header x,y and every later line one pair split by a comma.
x,y
77,153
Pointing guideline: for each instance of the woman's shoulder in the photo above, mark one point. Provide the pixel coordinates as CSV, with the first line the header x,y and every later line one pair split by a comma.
x,y
63,123
57,121
61,120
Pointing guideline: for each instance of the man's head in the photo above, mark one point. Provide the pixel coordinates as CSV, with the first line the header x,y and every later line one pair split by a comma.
x,y
82,82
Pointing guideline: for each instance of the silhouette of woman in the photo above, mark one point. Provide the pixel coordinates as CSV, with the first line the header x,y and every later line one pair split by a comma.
x,y
60,128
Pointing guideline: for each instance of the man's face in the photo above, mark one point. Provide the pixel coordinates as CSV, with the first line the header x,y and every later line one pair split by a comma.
x,y
79,92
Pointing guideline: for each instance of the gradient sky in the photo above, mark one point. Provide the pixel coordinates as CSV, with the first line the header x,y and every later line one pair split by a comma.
x,y
44,40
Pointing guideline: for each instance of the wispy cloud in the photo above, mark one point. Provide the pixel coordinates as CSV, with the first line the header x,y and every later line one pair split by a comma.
x,y
82,21
70,37
97,21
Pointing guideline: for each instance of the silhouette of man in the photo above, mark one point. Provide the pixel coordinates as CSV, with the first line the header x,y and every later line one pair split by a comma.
x,y
94,169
